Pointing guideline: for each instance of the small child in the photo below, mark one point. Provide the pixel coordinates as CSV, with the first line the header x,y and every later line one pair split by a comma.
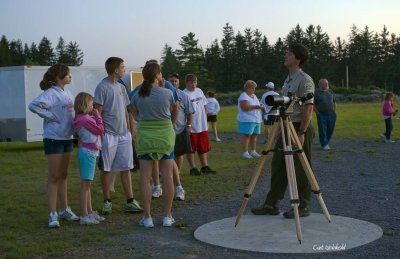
x,y
388,112
212,111
89,127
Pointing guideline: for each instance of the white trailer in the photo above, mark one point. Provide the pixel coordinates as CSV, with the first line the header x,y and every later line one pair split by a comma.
x,y
20,85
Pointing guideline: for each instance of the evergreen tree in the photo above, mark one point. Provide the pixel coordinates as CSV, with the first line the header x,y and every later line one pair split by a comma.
x,y
5,55
34,54
46,55
240,73
169,62
279,50
212,62
17,53
75,54
191,57
296,35
62,56
340,57
228,63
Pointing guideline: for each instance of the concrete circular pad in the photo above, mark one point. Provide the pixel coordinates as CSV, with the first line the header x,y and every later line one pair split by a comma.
x,y
275,234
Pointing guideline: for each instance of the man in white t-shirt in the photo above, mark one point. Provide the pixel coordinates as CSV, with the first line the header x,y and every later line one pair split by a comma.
x,y
267,118
199,128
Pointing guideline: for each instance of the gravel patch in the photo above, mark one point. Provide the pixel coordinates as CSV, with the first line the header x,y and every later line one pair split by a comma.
x,y
358,178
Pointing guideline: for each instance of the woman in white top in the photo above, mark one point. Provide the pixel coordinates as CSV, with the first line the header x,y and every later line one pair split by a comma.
x,y
249,119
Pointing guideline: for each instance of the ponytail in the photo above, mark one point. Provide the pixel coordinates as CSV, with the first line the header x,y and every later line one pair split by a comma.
x,y
57,71
145,89
150,72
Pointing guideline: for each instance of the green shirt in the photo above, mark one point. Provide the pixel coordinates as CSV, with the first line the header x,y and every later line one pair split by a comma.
x,y
299,84
324,101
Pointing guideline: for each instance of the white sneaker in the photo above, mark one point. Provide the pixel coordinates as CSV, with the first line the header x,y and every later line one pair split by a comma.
x,y
156,191
146,222
180,193
53,220
95,215
255,154
168,221
247,155
68,215
88,220
218,139
383,137
327,147
390,141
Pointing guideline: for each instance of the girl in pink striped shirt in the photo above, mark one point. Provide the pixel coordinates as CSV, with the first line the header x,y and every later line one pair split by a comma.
x,y
89,127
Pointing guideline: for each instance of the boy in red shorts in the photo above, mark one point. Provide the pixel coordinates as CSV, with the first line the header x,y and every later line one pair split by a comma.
x,y
199,128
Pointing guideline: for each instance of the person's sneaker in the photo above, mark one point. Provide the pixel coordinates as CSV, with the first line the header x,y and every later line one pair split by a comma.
x,y
68,215
179,193
255,154
146,222
156,191
247,155
218,140
326,147
266,209
383,137
107,208
195,171
53,220
390,141
207,170
303,212
88,220
95,215
132,207
168,221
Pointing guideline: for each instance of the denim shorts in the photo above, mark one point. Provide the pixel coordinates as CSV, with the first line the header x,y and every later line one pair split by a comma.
x,y
164,157
55,146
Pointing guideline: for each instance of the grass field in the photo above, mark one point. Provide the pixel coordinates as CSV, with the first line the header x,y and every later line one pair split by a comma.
x,y
358,120
23,203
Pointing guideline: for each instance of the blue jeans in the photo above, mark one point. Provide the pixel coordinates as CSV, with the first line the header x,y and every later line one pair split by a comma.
x,y
389,127
326,125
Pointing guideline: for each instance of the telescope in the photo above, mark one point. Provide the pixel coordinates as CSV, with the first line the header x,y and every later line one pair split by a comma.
x,y
281,100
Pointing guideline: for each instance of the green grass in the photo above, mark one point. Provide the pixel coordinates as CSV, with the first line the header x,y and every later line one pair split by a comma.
x,y
23,203
357,120
23,210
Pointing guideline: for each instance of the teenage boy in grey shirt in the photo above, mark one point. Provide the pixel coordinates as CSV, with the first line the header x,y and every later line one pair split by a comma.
x,y
111,100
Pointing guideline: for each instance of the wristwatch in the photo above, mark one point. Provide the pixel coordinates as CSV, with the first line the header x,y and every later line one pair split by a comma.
x,y
189,125
301,132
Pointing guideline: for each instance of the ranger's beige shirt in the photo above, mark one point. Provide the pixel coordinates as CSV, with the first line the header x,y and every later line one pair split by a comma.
x,y
299,84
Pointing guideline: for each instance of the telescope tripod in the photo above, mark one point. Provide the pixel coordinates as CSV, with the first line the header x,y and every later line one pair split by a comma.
x,y
289,136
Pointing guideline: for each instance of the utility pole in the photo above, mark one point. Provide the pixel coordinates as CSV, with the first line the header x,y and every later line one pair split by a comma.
x,y
347,77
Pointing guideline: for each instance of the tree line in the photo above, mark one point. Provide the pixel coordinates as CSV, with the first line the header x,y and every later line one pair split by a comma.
x,y
14,53
371,58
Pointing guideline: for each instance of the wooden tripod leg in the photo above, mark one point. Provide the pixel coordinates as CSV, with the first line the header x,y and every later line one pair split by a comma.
x,y
272,139
250,189
256,174
309,173
291,176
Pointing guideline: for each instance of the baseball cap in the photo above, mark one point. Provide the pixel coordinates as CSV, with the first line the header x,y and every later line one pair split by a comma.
x,y
270,85
175,75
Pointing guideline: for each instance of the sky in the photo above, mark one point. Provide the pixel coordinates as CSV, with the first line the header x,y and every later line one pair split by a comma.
x,y
137,30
